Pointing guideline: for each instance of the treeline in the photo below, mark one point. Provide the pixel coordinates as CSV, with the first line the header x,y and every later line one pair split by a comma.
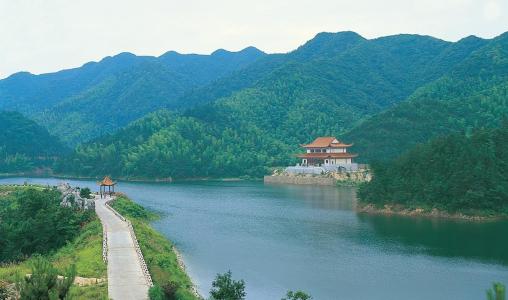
x,y
165,145
32,221
454,173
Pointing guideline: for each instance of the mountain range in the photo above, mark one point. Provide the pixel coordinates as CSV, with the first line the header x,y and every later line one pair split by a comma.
x,y
240,113
100,97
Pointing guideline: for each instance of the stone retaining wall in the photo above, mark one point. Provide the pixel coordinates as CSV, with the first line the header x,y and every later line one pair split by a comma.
x,y
329,178
282,179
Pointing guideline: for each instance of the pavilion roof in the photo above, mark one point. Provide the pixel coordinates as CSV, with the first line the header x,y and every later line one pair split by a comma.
x,y
107,181
326,141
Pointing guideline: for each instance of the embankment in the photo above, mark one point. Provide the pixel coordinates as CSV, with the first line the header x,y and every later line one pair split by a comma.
x,y
326,179
400,210
163,262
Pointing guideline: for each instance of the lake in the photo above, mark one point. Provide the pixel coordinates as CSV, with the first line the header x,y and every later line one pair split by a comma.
x,y
286,237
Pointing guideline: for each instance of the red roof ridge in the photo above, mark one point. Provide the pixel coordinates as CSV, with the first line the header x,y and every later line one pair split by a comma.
x,y
326,141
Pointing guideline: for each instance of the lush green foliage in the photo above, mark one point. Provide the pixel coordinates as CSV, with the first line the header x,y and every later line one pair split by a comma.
x,y
158,252
473,94
224,287
43,284
185,147
167,292
497,292
267,109
84,251
32,221
82,103
85,193
252,116
24,144
456,173
298,295
156,293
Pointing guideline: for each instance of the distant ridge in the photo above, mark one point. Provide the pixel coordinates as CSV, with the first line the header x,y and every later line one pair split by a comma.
x,y
126,85
384,95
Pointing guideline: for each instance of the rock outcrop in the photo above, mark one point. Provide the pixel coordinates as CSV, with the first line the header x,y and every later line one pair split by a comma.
x,y
71,197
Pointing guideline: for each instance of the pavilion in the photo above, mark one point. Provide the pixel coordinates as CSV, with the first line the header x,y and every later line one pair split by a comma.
x,y
106,183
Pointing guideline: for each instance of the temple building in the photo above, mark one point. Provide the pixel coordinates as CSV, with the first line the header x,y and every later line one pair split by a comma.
x,y
326,151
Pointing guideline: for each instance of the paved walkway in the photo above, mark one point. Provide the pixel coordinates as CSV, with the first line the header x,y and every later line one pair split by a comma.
x,y
125,276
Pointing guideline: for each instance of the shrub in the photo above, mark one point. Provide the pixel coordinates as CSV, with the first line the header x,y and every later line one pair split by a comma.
x,y
225,288
298,295
156,293
85,193
170,289
44,284
497,292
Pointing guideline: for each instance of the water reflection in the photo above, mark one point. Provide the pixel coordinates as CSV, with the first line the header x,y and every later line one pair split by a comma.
x,y
485,241
321,197
304,237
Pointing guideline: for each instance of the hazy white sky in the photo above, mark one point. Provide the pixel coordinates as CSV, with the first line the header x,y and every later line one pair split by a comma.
x,y
48,35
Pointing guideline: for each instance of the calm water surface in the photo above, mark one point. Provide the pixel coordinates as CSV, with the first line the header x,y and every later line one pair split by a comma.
x,y
294,237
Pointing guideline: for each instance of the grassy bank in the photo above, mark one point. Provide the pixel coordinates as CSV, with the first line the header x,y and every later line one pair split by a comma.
x,y
84,251
157,250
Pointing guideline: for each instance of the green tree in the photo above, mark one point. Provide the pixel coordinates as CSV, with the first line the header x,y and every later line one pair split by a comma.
x,y
497,292
85,193
43,283
33,221
298,295
224,287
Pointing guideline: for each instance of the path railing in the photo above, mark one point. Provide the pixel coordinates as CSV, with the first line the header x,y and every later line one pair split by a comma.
x,y
141,259
144,267
104,243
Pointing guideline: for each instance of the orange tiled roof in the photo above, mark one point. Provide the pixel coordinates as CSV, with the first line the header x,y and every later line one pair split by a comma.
x,y
327,155
326,141
107,181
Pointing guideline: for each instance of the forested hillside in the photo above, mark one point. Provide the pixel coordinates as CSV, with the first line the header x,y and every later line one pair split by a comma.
x,y
165,145
472,94
455,172
261,124
233,114
24,144
82,103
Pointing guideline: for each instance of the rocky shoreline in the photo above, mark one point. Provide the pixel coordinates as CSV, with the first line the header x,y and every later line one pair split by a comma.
x,y
181,264
399,210
353,178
